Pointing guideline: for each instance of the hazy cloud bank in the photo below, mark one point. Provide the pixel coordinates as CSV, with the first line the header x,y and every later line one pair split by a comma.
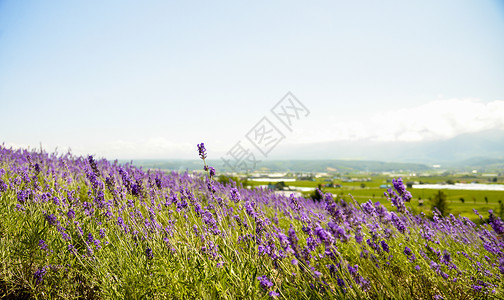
x,y
436,120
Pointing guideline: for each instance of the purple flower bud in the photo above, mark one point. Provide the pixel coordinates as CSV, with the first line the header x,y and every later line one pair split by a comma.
x,y
71,214
212,171
264,282
202,151
90,238
477,288
496,223
273,294
43,245
353,270
235,195
51,219
385,246
446,258
341,282
39,275
149,253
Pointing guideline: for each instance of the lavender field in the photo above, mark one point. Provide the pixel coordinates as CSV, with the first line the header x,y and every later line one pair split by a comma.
x,y
76,227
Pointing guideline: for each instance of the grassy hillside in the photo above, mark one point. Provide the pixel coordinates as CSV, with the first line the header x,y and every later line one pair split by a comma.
x,y
73,227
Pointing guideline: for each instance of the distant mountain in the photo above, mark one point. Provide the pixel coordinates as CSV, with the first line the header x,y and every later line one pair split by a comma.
x,y
483,151
487,144
481,164
334,166
340,166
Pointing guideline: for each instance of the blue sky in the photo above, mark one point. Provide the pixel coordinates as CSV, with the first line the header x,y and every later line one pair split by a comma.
x,y
125,79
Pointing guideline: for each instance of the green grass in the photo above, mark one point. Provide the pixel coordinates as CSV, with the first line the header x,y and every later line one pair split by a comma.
x,y
216,247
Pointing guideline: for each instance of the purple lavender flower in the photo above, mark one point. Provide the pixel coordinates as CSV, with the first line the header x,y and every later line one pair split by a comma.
x,y
64,235
97,243
401,189
398,223
149,253
341,282
249,208
71,249
446,258
137,189
477,288
209,219
51,219
71,214
273,294
385,246
332,269
125,178
353,270
324,236
368,207
294,202
110,183
211,187
407,251
338,232
293,239
90,238
284,240
3,186
235,195
496,223
39,275
95,182
264,282
202,151
23,195
92,163
359,237
43,245
211,171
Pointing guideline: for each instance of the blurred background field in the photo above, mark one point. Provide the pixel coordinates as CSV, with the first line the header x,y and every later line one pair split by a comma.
x,y
459,202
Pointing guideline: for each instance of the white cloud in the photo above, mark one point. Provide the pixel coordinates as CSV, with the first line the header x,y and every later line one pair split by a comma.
x,y
50,148
436,120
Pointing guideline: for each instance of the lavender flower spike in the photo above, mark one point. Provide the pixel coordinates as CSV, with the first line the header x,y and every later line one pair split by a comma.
x,y
264,282
202,151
